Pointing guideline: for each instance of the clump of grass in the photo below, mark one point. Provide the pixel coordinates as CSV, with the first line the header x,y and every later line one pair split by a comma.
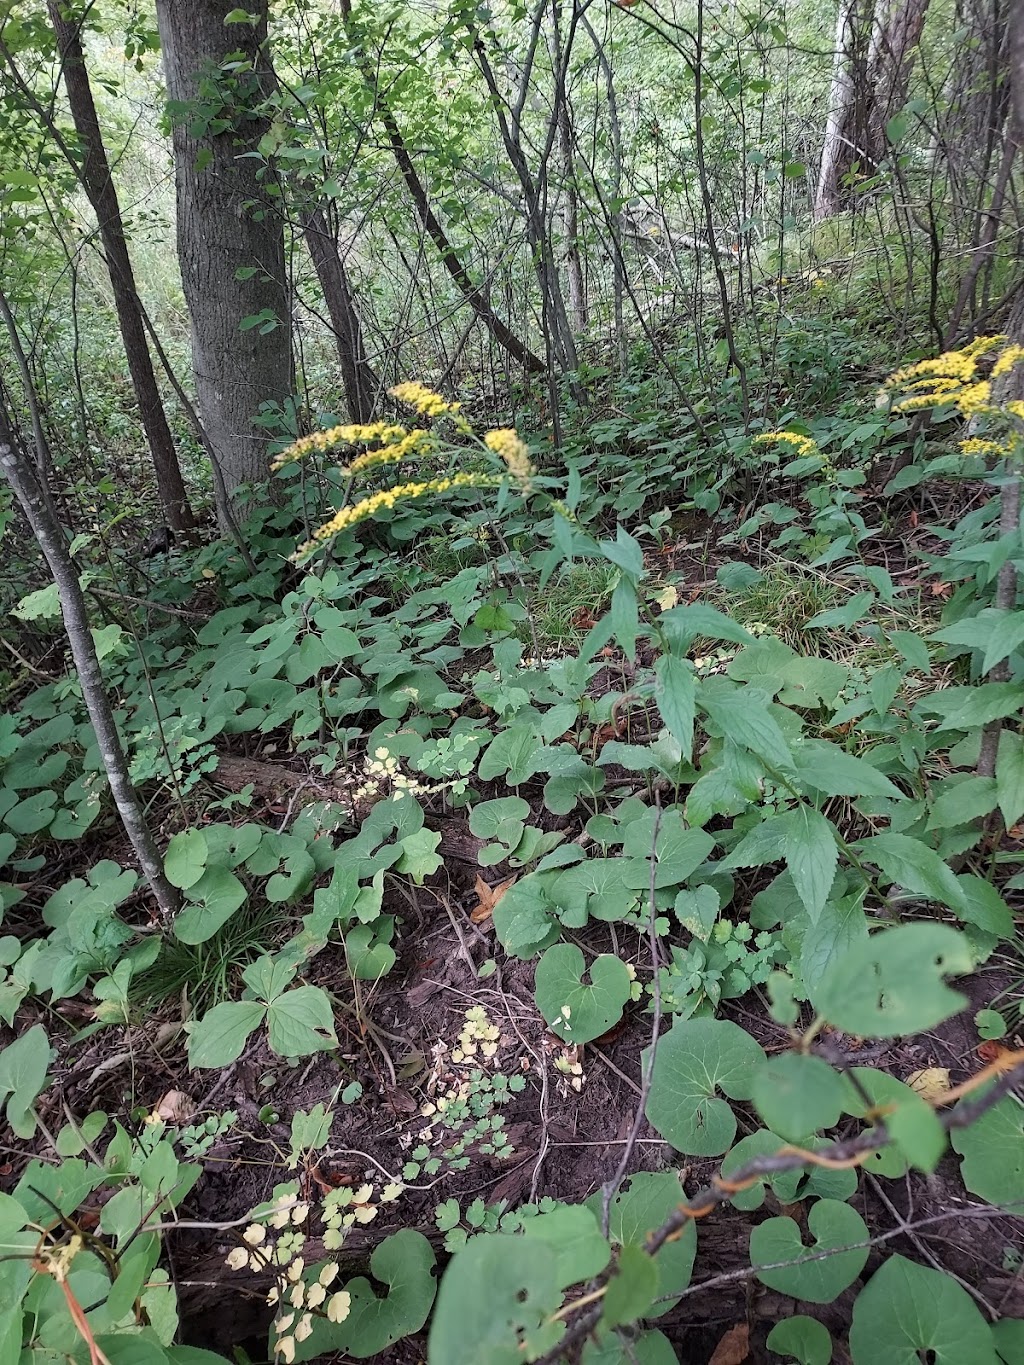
x,y
569,604
784,599
207,972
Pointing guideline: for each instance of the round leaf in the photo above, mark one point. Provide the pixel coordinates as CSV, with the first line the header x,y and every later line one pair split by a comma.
x,y
694,1060
993,1153
186,859
908,1310
573,1009
831,1224
796,1095
804,1339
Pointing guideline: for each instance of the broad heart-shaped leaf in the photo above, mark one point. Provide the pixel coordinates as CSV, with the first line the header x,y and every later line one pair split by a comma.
x,y
594,888
574,1010
404,1262
680,851
992,1148
23,1066
694,1059
525,917
676,692
893,983
912,864
186,858
788,1186
501,820
806,840
803,1339
495,1303
641,1207
301,1022
907,1313
218,1038
796,1095
419,858
831,1224
917,1137
214,899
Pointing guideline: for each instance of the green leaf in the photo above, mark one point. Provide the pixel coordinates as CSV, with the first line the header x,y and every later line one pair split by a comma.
x,y
186,858
624,552
218,1038
694,1060
1008,1335
912,864
573,1234
803,1339
495,1303
832,1225
967,708
893,984
992,1149
1010,777
404,1262
743,715
842,926
639,1208
301,1022
624,616
907,1312
993,630
631,1289
419,858
215,897
683,624
796,1095
679,851
806,840
845,616
990,1024
676,692
961,803
23,1067
825,768
649,1348
917,1138
525,918
574,1010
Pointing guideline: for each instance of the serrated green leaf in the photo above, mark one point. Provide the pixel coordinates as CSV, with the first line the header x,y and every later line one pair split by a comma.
x,y
910,863
676,692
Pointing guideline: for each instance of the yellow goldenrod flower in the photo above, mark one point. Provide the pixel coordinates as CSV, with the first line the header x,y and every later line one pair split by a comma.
x,y
802,445
978,445
1015,407
426,402
413,445
356,433
1006,360
506,442
350,516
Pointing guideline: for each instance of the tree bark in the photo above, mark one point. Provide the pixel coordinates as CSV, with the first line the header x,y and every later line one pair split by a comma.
x,y
890,65
230,235
358,379
840,106
28,490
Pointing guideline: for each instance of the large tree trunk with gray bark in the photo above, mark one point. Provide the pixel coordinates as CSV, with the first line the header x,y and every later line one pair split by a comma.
x,y
230,232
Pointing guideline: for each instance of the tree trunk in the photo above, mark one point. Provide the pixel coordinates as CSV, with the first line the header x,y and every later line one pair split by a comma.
x,y
894,47
840,107
98,184
357,377
28,490
230,235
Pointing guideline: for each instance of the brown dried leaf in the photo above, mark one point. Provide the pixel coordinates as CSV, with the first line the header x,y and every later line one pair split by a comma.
x,y
488,897
175,1107
734,1348
930,1082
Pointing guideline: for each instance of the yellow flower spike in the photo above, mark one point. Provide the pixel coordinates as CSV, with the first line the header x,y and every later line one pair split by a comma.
x,y
425,401
414,445
802,445
323,441
506,442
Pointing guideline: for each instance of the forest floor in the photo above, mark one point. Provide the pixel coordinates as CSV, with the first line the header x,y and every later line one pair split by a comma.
x,y
569,1126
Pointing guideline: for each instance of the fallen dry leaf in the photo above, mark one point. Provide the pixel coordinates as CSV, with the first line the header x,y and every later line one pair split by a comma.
x,y
941,589
488,897
667,598
734,1348
930,1082
175,1107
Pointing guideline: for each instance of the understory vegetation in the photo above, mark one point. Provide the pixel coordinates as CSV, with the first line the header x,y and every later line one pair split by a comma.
x,y
528,865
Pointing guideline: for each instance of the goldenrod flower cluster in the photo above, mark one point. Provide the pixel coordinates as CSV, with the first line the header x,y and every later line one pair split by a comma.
x,y
979,445
799,444
953,378
356,433
350,516
506,442
425,401
412,446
